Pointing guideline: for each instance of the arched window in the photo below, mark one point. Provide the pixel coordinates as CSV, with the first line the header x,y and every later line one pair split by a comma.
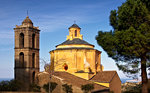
x,y
21,40
33,77
33,60
75,33
33,40
21,59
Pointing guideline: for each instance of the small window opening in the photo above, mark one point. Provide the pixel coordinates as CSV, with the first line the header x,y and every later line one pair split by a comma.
x,y
75,33
33,41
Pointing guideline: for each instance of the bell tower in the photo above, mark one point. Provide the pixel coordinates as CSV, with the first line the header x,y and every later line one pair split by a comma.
x,y
74,32
26,52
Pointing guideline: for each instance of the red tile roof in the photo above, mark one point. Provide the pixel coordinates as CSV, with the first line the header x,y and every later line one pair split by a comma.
x,y
104,76
76,81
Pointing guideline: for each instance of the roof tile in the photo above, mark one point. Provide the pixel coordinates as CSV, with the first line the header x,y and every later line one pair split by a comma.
x,y
75,41
76,81
74,26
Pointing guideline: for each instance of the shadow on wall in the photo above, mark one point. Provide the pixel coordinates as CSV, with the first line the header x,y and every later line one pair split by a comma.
x,y
24,74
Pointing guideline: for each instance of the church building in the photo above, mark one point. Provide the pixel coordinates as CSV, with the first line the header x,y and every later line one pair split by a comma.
x,y
79,60
76,56
74,62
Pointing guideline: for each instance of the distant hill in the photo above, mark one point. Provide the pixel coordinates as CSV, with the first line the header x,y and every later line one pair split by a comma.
x,y
5,79
123,80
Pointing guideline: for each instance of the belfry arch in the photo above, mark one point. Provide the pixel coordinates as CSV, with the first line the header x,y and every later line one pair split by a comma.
x,y
21,40
33,60
75,33
21,59
33,40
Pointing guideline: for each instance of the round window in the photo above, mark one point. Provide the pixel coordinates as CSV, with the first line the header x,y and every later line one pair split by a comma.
x,y
66,67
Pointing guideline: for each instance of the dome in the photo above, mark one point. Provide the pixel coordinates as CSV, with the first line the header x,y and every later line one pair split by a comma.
x,y
27,20
75,43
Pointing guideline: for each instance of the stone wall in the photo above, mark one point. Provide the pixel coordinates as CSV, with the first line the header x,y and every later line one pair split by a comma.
x,y
75,60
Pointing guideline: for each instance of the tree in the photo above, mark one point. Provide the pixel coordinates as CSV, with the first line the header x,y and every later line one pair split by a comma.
x,y
87,88
52,87
12,85
67,88
129,42
131,87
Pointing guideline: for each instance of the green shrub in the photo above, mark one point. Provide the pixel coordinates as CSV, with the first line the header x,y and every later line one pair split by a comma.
x,y
52,86
87,88
67,88
131,88
12,85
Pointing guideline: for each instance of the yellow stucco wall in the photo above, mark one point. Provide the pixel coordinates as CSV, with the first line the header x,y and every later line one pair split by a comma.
x,y
82,75
75,60
103,84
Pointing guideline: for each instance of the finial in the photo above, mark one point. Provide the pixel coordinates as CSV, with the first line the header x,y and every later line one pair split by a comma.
x,y
74,21
27,13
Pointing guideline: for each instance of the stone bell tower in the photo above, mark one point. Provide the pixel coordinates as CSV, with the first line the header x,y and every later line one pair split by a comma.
x,y
26,52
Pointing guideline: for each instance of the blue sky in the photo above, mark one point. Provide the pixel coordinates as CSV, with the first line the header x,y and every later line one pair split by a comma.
x,y
53,18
